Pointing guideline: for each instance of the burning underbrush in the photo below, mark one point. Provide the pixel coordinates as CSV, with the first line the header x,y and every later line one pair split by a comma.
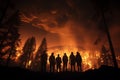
x,y
90,59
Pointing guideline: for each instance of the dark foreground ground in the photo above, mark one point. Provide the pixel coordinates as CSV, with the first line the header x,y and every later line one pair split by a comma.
x,y
103,73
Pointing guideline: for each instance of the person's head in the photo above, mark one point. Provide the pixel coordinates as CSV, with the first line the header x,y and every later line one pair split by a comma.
x,y
78,53
58,55
52,53
72,53
64,53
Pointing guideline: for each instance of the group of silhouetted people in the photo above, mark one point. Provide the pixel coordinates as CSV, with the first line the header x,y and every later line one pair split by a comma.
x,y
73,59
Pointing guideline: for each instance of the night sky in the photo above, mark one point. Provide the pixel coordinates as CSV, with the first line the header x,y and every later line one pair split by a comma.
x,y
76,23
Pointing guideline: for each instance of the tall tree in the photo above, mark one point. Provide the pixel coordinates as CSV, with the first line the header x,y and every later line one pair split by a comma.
x,y
42,48
28,50
10,36
8,31
14,21
105,56
102,6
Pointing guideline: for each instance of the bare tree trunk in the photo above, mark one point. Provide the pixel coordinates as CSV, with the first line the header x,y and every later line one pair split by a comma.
x,y
109,40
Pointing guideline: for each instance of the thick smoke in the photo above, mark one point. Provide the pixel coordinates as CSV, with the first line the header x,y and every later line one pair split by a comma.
x,y
75,23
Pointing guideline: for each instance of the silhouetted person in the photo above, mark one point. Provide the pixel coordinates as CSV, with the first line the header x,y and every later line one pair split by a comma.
x,y
43,61
72,61
79,61
52,62
65,61
58,63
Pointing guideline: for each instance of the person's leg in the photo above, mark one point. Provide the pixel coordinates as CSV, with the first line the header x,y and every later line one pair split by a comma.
x,y
80,67
45,68
50,67
74,67
60,68
66,67
71,68
57,68
63,67
53,68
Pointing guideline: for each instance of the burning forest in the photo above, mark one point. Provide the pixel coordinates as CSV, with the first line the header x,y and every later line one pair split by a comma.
x,y
31,29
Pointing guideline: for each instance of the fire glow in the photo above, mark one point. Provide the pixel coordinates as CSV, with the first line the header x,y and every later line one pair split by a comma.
x,y
63,30
70,33
89,59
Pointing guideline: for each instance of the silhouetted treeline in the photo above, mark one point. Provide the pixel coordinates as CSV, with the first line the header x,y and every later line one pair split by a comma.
x,y
37,62
27,55
9,32
106,56
9,41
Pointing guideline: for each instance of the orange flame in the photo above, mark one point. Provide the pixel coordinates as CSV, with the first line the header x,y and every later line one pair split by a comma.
x,y
18,54
89,60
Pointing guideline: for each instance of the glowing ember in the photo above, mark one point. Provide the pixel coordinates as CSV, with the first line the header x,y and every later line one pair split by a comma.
x,y
28,64
18,53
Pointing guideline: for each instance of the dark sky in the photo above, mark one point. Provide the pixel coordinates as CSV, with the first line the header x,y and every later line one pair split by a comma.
x,y
68,22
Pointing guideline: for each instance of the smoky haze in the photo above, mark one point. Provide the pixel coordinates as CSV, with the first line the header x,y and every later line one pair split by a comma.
x,y
67,23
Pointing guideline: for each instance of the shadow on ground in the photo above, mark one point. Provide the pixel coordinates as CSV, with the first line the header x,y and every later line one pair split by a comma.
x,y
103,73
